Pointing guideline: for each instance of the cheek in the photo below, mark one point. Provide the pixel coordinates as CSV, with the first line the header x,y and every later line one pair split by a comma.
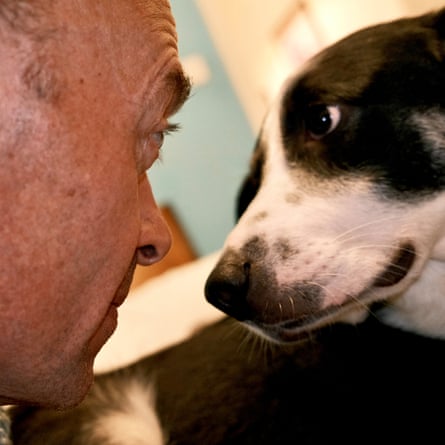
x,y
80,243
88,253
109,226
101,205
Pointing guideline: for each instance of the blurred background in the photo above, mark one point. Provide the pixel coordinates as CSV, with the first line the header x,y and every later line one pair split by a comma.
x,y
237,53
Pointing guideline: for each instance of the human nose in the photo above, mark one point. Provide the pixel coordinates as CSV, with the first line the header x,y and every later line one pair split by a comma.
x,y
155,236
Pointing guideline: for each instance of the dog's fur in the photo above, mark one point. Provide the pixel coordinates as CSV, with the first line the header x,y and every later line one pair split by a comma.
x,y
338,256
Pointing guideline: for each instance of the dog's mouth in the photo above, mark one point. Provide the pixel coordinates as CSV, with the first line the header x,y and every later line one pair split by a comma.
x,y
299,328
398,268
296,311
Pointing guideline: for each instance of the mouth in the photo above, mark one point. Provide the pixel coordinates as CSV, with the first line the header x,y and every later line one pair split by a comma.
x,y
300,328
121,293
124,287
108,323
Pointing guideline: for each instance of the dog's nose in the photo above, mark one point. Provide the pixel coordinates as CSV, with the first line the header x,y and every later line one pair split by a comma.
x,y
227,286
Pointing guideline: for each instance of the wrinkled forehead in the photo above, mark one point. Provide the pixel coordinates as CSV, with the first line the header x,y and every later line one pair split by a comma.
x,y
157,14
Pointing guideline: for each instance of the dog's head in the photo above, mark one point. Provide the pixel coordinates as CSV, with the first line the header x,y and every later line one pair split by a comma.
x,y
344,205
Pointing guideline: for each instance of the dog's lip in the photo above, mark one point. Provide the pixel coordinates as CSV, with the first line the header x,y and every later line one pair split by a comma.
x,y
296,329
398,267
302,328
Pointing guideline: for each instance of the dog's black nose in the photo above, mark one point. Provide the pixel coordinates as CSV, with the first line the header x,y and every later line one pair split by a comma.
x,y
228,284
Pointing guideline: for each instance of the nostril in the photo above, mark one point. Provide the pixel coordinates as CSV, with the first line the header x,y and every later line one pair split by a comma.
x,y
222,293
227,287
148,254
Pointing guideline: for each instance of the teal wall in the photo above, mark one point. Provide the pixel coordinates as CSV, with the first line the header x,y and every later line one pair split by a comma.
x,y
203,165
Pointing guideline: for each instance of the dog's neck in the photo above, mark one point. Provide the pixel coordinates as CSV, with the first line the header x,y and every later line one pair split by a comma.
x,y
421,309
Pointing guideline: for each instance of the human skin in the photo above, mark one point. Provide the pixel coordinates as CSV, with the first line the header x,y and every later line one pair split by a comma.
x,y
87,90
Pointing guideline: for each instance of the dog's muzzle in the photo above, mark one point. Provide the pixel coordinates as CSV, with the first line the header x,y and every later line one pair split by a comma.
x,y
247,289
243,288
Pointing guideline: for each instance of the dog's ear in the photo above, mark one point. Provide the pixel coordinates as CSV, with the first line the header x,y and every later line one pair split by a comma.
x,y
438,22
252,182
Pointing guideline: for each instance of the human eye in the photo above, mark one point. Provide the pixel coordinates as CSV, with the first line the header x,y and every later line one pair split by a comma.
x,y
158,137
152,145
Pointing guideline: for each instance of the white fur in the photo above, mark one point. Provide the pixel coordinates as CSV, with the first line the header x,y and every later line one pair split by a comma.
x,y
432,126
132,418
422,307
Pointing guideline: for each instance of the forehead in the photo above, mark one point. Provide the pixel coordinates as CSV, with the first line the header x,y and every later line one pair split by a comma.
x,y
382,80
132,43
362,67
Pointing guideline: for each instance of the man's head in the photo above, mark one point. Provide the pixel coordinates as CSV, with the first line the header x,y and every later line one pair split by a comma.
x,y
87,90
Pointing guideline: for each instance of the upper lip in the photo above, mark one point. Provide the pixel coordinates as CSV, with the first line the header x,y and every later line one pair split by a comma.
x,y
122,291
119,298
124,286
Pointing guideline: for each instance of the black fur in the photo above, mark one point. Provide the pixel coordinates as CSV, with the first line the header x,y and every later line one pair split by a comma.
x,y
252,182
348,384
377,99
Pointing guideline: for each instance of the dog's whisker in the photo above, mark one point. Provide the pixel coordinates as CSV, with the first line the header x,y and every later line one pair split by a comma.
x,y
372,247
357,236
321,286
266,308
355,232
365,225
354,237
359,302
351,297
256,346
281,309
292,303
234,331
332,275
248,340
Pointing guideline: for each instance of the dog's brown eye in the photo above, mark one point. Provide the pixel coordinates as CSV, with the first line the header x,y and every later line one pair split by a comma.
x,y
321,120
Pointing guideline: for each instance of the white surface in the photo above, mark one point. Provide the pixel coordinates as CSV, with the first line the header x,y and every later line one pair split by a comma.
x,y
159,313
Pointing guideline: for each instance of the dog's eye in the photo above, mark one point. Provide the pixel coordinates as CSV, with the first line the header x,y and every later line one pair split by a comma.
x,y
321,120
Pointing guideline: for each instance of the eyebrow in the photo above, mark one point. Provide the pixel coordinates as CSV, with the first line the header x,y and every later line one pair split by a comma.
x,y
180,86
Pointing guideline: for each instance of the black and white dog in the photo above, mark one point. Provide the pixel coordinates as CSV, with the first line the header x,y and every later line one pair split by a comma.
x,y
338,257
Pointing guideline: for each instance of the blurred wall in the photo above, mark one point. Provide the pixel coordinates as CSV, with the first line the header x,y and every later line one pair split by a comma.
x,y
203,164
